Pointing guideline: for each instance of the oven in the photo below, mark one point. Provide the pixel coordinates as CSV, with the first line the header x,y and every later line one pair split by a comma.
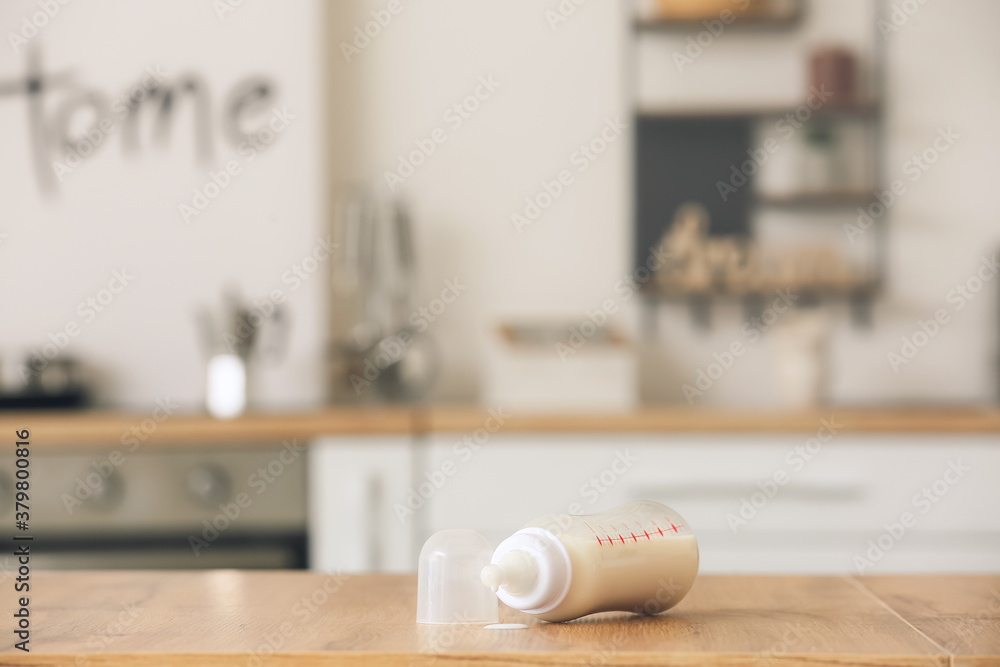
x,y
164,508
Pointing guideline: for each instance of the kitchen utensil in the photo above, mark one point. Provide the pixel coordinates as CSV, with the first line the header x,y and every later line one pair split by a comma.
x,y
376,353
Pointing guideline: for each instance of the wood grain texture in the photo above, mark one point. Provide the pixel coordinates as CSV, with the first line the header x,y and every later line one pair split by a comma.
x,y
73,430
231,617
86,429
681,420
960,613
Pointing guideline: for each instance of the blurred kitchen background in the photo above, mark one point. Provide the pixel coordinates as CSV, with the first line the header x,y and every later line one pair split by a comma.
x,y
298,284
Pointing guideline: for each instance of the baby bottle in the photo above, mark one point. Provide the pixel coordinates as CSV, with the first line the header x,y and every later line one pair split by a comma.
x,y
640,557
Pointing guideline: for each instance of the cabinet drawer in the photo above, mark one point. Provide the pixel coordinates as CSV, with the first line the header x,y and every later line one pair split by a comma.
x,y
854,483
757,503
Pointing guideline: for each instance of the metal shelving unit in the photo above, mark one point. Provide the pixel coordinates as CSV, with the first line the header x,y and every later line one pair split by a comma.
x,y
862,289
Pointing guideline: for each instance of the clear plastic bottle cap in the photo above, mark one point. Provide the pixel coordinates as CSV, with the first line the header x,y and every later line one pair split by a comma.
x,y
449,589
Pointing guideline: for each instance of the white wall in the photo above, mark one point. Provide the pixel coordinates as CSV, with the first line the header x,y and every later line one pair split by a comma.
x,y
557,90
558,86
943,72
117,211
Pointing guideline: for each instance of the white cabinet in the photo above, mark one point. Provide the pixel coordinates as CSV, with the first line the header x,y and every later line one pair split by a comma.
x,y
758,503
810,506
354,482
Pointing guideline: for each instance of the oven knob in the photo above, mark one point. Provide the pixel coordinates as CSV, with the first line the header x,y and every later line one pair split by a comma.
x,y
106,494
208,484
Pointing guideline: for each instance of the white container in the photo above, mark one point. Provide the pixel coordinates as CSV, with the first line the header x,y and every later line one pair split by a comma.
x,y
226,392
801,341
641,557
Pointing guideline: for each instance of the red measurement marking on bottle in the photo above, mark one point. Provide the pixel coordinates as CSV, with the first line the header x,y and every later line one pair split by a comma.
x,y
610,541
599,540
661,531
646,534
634,538
621,538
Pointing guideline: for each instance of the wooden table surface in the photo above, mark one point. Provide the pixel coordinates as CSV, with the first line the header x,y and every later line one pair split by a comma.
x,y
229,617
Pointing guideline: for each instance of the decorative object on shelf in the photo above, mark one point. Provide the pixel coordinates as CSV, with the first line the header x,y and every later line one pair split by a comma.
x,y
833,69
832,164
685,248
700,264
823,164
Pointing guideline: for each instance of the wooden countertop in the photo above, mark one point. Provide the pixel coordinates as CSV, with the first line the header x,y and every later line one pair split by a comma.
x,y
681,420
110,429
229,617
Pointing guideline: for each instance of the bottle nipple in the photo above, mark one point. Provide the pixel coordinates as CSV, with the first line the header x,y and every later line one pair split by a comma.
x,y
492,576
516,572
